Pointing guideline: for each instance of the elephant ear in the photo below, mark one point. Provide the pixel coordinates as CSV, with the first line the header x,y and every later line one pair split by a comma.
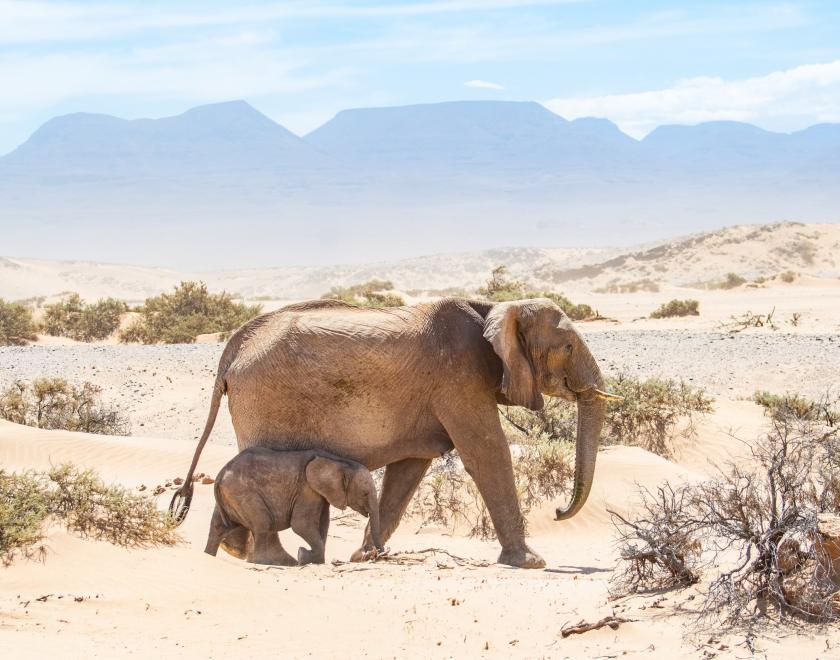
x,y
329,479
503,329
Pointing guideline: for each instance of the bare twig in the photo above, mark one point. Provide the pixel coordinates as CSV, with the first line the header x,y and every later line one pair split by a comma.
x,y
612,621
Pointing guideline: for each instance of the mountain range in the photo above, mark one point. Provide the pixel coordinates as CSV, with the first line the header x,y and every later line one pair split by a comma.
x,y
223,185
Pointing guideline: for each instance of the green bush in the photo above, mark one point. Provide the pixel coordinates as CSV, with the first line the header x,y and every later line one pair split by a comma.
x,y
652,414
83,321
732,280
53,403
83,503
373,293
16,326
190,310
501,289
676,308
24,506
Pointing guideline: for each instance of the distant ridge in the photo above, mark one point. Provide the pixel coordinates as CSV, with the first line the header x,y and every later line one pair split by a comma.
x,y
223,180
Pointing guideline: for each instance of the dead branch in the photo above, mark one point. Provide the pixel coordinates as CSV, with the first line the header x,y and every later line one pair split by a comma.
x,y
612,621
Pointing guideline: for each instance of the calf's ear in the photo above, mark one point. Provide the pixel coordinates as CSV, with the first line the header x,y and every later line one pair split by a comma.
x,y
329,479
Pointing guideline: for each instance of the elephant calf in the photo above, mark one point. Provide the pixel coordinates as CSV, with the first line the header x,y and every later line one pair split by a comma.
x,y
264,491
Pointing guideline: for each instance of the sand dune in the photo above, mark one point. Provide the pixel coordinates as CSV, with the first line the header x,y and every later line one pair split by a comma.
x,y
749,250
97,600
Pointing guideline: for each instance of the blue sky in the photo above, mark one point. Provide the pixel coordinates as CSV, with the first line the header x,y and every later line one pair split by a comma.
x,y
641,64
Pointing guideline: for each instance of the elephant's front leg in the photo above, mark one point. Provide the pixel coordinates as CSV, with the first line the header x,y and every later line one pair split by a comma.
x,y
307,523
484,450
267,550
398,486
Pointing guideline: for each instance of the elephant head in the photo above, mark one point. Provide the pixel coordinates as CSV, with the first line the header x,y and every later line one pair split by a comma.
x,y
344,484
543,353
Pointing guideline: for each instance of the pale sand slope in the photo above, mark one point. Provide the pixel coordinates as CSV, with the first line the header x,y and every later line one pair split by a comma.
x,y
178,602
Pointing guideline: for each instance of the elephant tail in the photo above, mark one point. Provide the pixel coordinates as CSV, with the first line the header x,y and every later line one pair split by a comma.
x,y
179,507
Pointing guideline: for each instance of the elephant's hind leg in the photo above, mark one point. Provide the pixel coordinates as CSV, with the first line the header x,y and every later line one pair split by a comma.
x,y
235,542
218,531
268,550
398,486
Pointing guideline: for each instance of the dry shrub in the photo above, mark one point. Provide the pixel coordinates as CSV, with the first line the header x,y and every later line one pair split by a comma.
x,y
448,497
825,409
635,286
676,308
653,414
501,289
659,547
748,320
373,293
83,321
16,325
759,528
89,507
190,310
732,281
83,504
788,276
53,403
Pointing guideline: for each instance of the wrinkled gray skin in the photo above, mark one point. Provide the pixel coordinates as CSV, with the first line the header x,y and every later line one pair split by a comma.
x,y
265,491
397,387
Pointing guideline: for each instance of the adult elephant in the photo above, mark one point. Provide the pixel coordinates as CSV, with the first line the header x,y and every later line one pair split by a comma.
x,y
397,387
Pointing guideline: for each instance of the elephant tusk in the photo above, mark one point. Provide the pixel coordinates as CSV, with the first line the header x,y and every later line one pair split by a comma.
x,y
606,396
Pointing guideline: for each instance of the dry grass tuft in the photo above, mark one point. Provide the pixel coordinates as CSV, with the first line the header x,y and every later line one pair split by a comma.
x,y
374,293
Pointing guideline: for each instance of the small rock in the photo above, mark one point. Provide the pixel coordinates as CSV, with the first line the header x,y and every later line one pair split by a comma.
x,y
207,480
177,481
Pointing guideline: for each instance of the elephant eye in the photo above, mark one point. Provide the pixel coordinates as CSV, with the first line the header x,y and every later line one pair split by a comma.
x,y
569,349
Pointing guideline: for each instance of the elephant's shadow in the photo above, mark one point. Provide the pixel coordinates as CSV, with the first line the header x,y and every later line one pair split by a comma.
x,y
578,570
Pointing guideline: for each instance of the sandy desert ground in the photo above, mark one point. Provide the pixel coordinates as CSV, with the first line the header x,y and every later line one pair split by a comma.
x,y
92,599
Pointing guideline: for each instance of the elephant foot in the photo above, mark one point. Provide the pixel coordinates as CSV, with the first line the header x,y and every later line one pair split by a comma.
x,y
235,543
306,556
360,555
521,558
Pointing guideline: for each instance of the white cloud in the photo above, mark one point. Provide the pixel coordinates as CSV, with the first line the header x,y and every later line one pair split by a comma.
x,y
782,100
483,84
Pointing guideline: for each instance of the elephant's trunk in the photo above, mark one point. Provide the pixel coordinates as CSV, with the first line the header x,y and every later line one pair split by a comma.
x,y
591,407
375,531
589,422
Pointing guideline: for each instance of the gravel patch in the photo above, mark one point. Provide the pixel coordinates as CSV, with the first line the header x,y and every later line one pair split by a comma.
x,y
165,390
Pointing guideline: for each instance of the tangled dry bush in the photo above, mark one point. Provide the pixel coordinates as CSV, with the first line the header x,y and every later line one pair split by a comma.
x,y
659,547
373,293
83,321
80,501
190,310
501,289
769,528
53,403
653,414
16,324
